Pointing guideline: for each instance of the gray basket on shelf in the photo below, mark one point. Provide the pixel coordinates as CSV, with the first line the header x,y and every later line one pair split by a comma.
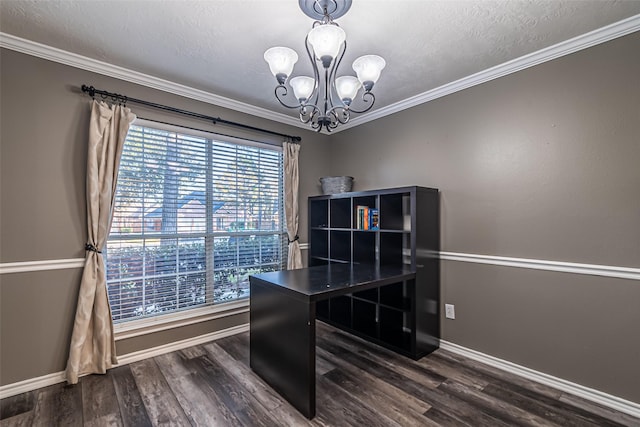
x,y
336,184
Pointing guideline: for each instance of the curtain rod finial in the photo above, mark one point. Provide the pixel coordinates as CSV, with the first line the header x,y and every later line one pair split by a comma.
x,y
90,89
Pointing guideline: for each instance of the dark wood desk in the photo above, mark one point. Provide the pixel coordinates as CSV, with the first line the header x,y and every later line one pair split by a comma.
x,y
283,320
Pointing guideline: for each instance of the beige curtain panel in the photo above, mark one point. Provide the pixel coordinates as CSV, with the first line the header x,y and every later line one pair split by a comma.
x,y
291,184
93,349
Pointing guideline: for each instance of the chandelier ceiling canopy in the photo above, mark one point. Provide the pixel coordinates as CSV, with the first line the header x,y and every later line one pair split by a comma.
x,y
325,100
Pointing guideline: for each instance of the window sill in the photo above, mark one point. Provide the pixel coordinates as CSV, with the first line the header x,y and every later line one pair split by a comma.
x,y
146,326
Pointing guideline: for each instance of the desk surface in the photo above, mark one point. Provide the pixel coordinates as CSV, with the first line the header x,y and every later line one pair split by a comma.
x,y
325,281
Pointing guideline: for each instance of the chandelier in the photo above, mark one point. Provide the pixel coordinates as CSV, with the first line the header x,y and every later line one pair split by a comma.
x,y
324,100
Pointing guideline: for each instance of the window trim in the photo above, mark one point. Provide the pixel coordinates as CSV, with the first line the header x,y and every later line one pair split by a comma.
x,y
181,318
178,319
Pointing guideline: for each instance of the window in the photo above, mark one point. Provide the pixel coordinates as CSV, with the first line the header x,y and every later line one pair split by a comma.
x,y
195,214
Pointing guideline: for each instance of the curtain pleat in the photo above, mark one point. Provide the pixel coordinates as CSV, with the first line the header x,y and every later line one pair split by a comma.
x,y
92,348
291,184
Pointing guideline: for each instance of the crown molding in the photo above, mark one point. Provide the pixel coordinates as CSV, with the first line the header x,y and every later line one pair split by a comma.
x,y
584,41
39,50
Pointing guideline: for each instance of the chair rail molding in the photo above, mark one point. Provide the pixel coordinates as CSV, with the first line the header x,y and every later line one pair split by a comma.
x,y
538,264
48,264
630,273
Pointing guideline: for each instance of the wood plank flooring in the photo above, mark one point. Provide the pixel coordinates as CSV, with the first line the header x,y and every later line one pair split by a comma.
x,y
358,384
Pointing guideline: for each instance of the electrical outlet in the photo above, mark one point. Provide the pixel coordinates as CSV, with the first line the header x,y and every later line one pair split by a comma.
x,y
450,311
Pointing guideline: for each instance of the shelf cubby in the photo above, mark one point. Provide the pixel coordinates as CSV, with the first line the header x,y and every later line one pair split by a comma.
x,y
392,212
322,309
391,246
340,310
393,329
364,247
320,247
368,201
397,295
340,245
319,214
340,213
369,295
365,320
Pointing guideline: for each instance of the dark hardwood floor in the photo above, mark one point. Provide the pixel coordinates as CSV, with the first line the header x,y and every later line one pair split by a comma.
x,y
358,384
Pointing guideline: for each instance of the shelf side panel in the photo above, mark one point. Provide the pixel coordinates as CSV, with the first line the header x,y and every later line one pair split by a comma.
x,y
427,242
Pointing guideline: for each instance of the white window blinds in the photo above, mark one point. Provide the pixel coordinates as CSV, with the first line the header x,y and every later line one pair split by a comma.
x,y
194,216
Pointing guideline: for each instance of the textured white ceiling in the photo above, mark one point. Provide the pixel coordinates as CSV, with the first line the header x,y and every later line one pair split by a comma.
x,y
217,45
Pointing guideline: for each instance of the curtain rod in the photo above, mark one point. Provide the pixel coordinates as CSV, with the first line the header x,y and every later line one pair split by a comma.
x,y
215,120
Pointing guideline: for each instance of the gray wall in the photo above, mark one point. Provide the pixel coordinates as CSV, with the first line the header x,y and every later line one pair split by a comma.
x,y
42,204
539,164
542,164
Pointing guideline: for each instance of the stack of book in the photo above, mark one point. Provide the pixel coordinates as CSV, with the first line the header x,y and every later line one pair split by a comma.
x,y
367,218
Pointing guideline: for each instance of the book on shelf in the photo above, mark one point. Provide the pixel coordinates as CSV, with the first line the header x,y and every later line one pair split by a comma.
x,y
359,212
360,217
367,218
365,221
374,219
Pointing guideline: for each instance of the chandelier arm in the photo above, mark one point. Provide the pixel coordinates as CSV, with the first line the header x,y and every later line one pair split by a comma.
x,y
310,115
327,93
284,93
332,78
332,124
341,114
316,74
316,125
365,95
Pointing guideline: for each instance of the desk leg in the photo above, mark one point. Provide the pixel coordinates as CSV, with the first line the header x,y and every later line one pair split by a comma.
x,y
283,344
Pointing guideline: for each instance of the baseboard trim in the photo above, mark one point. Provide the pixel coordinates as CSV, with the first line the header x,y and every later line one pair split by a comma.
x,y
136,356
31,384
587,393
605,399
125,359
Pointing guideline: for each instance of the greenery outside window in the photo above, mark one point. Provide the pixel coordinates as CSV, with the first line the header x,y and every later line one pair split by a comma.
x,y
195,214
